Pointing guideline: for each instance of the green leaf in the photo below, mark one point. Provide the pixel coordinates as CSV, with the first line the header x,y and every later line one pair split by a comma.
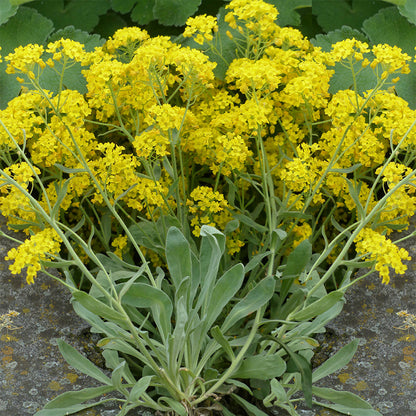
x,y
337,361
141,295
70,410
388,26
26,26
178,255
407,8
123,6
7,10
252,224
174,405
250,409
212,248
261,367
71,398
349,402
97,307
90,42
226,412
224,290
81,363
288,16
278,390
336,13
175,12
318,307
302,365
219,337
296,262
72,77
254,300
64,13
139,388
143,12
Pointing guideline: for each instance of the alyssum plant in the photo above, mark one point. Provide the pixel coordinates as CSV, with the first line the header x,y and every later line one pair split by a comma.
x,y
207,226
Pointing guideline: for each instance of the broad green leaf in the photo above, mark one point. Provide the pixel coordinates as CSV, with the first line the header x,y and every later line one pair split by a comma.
x,y
407,8
396,2
179,333
97,307
26,26
335,13
174,405
254,300
344,398
278,390
261,367
251,223
388,26
70,410
219,337
178,256
318,307
346,410
226,412
117,376
139,388
301,365
143,12
71,398
19,2
65,13
174,12
296,262
224,290
142,295
288,16
81,363
212,248
7,10
123,6
249,408
255,261
336,362
121,346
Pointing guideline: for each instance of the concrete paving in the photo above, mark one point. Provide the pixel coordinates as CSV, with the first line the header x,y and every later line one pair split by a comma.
x,y
32,370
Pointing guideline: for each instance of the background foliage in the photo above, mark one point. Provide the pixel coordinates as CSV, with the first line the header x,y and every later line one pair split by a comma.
x,y
90,21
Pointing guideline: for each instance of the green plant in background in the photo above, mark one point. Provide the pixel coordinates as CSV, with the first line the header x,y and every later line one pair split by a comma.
x,y
207,206
41,21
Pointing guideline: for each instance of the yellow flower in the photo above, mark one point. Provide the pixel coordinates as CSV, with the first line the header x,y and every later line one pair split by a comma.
x,y
392,59
32,252
119,243
70,48
24,59
201,25
376,247
208,207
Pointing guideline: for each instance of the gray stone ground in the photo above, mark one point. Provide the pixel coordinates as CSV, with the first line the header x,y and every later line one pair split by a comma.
x,y
32,370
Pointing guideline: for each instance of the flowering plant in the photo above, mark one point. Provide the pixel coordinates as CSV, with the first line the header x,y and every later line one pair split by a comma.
x,y
163,177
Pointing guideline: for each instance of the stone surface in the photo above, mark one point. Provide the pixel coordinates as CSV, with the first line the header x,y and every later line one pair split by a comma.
x,y
32,370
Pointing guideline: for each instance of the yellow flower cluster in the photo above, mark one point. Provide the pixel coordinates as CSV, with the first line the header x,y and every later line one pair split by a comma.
x,y
374,246
203,26
155,126
207,207
32,252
